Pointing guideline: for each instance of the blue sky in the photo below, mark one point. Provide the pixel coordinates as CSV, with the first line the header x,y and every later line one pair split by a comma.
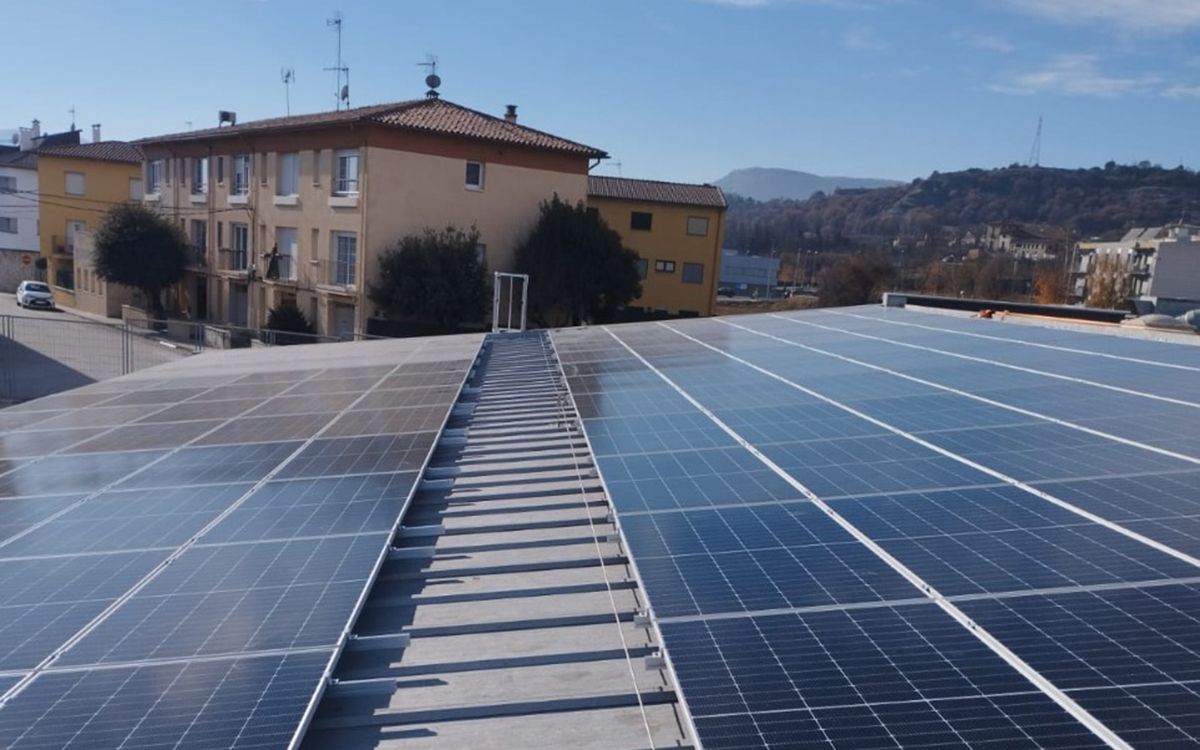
x,y
673,89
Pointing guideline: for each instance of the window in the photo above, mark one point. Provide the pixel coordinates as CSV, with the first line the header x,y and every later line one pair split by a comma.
x,y
240,247
154,176
481,254
76,183
220,170
474,175
346,173
241,175
693,273
199,176
288,244
199,240
316,154
288,182
643,267
664,266
135,188
345,252
697,226
640,221
8,184
8,224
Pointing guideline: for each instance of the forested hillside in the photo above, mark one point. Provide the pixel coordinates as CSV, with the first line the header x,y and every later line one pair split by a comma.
x,y
1086,201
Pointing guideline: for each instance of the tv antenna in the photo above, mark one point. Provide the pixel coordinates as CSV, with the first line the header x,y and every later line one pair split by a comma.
x,y
288,76
433,80
1035,154
72,113
341,92
618,165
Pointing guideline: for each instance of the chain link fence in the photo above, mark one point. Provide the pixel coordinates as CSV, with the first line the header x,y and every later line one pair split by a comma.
x,y
40,356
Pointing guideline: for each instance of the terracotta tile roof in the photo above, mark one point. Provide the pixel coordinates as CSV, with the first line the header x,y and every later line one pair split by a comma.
x,y
102,151
426,115
654,191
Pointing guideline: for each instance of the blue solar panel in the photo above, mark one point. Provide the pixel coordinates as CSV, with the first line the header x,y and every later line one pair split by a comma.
x,y
19,514
968,533
230,703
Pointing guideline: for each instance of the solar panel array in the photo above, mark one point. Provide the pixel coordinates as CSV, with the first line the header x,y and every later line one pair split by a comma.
x,y
182,551
886,528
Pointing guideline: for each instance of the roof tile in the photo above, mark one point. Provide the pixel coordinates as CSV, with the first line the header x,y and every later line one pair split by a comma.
x,y
654,191
102,151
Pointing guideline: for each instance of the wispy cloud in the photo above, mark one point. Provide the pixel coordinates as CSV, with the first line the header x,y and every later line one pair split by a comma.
x,y
1076,75
862,38
1182,91
1159,15
987,42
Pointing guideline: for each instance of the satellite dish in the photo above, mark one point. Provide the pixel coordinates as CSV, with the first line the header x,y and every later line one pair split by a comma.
x,y
433,80
345,93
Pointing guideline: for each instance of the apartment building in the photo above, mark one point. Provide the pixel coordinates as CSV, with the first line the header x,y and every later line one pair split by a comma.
x,y
677,230
77,185
1160,265
18,216
300,208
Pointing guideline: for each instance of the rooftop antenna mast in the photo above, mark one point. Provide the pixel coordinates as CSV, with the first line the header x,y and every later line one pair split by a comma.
x,y
288,76
340,92
432,80
1035,154
72,112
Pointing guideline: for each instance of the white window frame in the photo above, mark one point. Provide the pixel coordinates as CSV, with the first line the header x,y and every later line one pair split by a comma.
x,y
664,266
236,231
200,176
136,189
285,251
342,183
8,224
82,179
287,179
154,176
467,176
345,258
239,182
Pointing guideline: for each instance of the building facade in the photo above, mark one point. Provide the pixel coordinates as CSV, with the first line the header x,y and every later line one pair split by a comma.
x,y
299,209
1160,267
676,229
78,184
1026,241
18,216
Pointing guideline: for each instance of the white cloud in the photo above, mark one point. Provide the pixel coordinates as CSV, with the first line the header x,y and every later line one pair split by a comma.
x,y
1076,75
1160,15
1182,91
862,38
987,42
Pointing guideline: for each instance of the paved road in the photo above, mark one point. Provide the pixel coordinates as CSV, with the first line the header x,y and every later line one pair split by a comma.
x,y
46,352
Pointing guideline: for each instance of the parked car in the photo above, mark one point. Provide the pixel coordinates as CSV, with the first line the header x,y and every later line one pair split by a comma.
x,y
35,294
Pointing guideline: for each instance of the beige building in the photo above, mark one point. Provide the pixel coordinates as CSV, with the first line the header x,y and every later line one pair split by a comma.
x,y
331,191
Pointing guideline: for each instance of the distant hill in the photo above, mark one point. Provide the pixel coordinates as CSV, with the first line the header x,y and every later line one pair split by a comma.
x,y
1086,201
764,184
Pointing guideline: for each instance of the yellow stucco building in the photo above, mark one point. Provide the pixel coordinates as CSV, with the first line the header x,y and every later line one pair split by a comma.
x,y
77,184
677,230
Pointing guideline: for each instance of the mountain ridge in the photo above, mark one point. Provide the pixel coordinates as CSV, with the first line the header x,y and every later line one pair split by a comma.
x,y
772,183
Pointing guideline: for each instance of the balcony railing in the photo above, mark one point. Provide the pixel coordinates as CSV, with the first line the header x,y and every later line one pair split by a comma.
x,y
281,268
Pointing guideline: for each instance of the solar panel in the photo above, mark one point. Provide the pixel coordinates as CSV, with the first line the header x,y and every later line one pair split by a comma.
x,y
929,458
186,595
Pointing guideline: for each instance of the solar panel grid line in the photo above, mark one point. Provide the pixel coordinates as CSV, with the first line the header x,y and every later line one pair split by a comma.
x,y
956,457
631,562
141,584
1072,350
1058,696
996,363
973,396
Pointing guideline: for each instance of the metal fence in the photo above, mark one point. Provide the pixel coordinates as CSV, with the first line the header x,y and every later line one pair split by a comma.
x,y
49,354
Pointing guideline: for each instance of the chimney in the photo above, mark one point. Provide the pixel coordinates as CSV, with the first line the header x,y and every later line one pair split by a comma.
x,y
510,114
95,132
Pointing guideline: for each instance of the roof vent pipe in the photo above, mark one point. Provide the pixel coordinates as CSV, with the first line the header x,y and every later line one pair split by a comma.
x,y
96,132
510,113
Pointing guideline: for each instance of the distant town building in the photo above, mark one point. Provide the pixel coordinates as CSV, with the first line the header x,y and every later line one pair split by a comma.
x,y
1161,266
331,191
749,274
18,216
1025,241
79,183
677,230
